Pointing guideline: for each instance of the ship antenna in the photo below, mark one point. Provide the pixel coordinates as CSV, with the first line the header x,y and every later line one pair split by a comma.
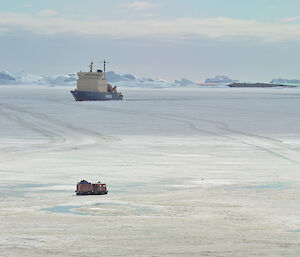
x,y
104,63
91,66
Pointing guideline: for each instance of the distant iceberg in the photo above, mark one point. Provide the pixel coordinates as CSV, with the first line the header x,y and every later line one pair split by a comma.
x,y
184,82
220,79
24,78
126,80
113,77
285,81
66,80
6,78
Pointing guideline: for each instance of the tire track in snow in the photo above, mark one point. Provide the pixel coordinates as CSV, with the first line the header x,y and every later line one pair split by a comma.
x,y
149,114
268,144
60,135
52,137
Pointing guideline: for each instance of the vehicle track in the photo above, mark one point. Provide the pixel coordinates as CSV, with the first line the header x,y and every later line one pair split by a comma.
x,y
217,128
59,135
268,144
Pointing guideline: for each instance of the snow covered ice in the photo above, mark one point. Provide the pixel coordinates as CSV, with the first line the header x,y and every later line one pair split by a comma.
x,y
190,172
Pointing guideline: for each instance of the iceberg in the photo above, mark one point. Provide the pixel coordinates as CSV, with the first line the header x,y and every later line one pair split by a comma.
x,y
220,79
285,81
126,80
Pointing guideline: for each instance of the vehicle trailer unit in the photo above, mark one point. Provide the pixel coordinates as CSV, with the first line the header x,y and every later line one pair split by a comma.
x,y
86,188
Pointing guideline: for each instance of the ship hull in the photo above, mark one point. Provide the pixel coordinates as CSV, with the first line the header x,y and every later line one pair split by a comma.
x,y
95,96
260,85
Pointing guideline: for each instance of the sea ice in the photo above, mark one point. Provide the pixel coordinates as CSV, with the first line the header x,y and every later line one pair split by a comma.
x,y
190,172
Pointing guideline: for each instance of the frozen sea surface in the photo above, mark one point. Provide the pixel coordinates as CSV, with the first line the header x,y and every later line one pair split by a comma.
x,y
190,172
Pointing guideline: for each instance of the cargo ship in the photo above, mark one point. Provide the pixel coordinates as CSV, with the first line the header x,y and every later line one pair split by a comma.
x,y
86,188
93,86
258,85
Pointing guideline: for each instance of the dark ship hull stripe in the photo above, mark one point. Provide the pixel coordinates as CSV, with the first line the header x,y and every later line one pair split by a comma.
x,y
95,96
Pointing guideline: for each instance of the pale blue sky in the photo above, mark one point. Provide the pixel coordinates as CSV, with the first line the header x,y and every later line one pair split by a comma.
x,y
246,9
247,40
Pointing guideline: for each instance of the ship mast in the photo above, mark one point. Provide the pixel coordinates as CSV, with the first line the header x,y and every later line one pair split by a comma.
x,y
91,66
104,63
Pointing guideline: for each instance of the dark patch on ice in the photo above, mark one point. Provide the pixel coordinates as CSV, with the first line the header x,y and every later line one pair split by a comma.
x,y
279,186
21,190
127,187
29,185
24,186
295,231
159,185
171,184
134,207
68,209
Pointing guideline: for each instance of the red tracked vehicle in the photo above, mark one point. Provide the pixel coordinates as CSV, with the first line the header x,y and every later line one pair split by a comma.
x,y
86,188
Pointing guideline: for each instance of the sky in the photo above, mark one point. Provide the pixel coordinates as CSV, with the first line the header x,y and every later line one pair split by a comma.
x,y
255,40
